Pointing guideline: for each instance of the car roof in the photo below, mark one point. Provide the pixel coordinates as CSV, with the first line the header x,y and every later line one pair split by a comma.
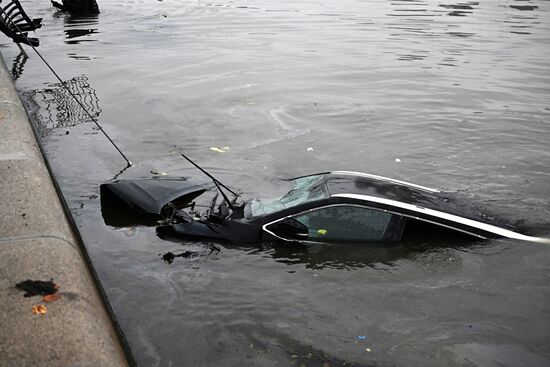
x,y
417,201
369,187
347,182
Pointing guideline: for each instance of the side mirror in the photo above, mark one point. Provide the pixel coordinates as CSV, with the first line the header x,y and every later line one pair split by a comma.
x,y
288,229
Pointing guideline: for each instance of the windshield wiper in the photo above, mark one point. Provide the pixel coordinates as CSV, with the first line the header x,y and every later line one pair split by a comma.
x,y
218,184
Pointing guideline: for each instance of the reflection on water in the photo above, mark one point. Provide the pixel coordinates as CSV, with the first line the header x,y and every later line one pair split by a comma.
x,y
58,109
377,257
80,29
522,22
460,9
340,256
333,256
524,7
380,257
78,33
18,66
419,19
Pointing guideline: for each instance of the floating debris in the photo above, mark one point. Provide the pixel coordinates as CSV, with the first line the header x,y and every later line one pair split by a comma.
x,y
170,256
220,149
309,149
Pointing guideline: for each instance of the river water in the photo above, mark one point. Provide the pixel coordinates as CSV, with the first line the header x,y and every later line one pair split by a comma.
x,y
444,94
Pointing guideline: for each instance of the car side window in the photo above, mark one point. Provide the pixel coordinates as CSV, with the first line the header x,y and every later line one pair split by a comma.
x,y
345,223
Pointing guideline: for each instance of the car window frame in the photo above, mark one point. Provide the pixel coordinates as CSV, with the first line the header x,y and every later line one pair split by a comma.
x,y
396,223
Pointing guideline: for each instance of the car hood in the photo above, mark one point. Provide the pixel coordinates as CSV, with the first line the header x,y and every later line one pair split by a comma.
x,y
147,197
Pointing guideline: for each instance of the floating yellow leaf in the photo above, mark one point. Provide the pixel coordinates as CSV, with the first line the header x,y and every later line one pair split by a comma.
x,y
322,232
220,149
39,309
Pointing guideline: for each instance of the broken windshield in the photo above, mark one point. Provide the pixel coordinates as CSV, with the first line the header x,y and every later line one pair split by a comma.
x,y
306,189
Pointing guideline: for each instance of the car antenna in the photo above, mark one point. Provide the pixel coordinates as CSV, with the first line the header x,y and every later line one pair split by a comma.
x,y
216,182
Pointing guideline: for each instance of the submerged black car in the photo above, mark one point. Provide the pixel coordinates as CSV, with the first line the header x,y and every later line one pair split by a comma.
x,y
338,206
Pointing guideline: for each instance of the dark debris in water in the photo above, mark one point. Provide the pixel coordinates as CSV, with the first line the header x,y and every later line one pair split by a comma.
x,y
170,256
37,287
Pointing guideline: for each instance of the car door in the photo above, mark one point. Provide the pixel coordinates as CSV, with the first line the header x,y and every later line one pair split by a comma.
x,y
335,223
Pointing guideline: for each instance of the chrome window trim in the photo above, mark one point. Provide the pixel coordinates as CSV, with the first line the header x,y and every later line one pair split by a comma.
x,y
387,179
451,217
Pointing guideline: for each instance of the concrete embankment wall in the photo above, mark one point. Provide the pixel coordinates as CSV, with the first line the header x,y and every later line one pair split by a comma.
x,y
37,242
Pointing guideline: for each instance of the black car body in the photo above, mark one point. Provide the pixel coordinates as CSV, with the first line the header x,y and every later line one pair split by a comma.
x,y
338,206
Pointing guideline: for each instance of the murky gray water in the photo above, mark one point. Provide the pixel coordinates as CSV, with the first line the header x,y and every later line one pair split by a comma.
x,y
459,93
